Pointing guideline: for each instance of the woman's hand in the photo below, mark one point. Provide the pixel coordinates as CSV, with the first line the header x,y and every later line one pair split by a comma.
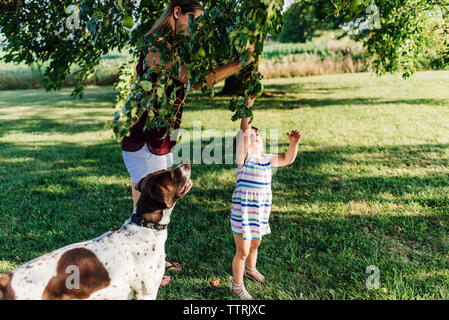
x,y
222,72
294,137
250,101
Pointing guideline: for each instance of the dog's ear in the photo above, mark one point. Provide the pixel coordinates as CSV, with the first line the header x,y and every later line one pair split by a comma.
x,y
162,194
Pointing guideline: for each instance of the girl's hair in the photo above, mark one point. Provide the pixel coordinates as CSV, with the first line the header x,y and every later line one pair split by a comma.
x,y
166,22
234,141
257,130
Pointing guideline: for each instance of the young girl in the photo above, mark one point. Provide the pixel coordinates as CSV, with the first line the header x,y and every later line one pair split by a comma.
x,y
251,200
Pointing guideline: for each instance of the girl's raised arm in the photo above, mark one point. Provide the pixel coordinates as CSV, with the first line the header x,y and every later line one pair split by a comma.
x,y
290,156
242,138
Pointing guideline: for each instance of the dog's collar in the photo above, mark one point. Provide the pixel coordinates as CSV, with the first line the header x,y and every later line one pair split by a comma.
x,y
147,224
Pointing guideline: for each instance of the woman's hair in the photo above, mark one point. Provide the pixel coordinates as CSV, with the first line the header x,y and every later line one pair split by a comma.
x,y
166,22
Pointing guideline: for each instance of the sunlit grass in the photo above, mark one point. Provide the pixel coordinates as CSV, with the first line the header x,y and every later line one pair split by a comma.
x,y
369,187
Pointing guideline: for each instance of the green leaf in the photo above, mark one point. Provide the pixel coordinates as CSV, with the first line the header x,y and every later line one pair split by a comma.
x,y
146,85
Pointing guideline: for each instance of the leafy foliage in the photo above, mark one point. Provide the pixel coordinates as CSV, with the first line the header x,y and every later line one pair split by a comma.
x,y
221,35
36,32
304,18
403,32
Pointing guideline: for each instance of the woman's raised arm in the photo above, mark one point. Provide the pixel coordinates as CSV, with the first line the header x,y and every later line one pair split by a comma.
x,y
223,72
218,74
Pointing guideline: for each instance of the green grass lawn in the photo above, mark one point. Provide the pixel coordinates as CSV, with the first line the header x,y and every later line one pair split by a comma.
x,y
369,187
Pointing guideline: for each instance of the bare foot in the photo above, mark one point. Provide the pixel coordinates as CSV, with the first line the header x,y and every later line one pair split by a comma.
x,y
165,281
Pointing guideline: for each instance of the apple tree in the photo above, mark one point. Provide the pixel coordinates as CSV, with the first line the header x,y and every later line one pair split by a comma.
x,y
67,33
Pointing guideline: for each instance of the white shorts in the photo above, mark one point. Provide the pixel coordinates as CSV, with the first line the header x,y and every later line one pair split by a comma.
x,y
142,162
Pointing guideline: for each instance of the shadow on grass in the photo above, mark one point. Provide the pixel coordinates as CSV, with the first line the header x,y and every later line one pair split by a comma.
x,y
326,224
93,98
68,192
320,257
288,102
34,125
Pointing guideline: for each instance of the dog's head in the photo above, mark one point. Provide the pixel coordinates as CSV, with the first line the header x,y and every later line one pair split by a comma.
x,y
161,190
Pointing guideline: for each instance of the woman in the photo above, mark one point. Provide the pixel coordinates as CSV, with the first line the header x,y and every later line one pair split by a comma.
x,y
144,151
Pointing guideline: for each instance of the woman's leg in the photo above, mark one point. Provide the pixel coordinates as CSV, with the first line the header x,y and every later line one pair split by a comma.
x,y
135,193
242,248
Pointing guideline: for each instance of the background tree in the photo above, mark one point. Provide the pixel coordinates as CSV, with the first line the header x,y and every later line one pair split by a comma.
x,y
304,18
36,31
398,31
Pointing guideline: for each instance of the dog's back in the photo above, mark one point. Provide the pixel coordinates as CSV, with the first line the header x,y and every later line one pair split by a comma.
x,y
108,267
71,272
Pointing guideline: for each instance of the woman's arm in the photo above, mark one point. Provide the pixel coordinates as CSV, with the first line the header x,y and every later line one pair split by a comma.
x,y
223,72
242,139
154,59
218,74
292,151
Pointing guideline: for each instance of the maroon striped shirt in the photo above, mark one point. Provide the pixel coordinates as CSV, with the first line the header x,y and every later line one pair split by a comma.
x,y
152,136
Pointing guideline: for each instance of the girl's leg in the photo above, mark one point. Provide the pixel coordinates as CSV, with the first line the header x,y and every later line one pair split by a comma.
x,y
252,255
250,268
241,253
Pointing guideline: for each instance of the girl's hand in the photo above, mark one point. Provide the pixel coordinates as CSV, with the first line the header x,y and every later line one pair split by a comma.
x,y
250,101
294,136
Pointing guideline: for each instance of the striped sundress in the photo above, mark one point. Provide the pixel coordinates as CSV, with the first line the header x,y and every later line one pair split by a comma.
x,y
251,200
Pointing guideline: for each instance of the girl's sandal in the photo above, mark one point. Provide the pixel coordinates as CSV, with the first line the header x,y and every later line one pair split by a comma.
x,y
243,294
254,275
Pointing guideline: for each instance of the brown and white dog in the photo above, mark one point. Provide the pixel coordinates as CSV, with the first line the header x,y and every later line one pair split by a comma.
x,y
123,264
